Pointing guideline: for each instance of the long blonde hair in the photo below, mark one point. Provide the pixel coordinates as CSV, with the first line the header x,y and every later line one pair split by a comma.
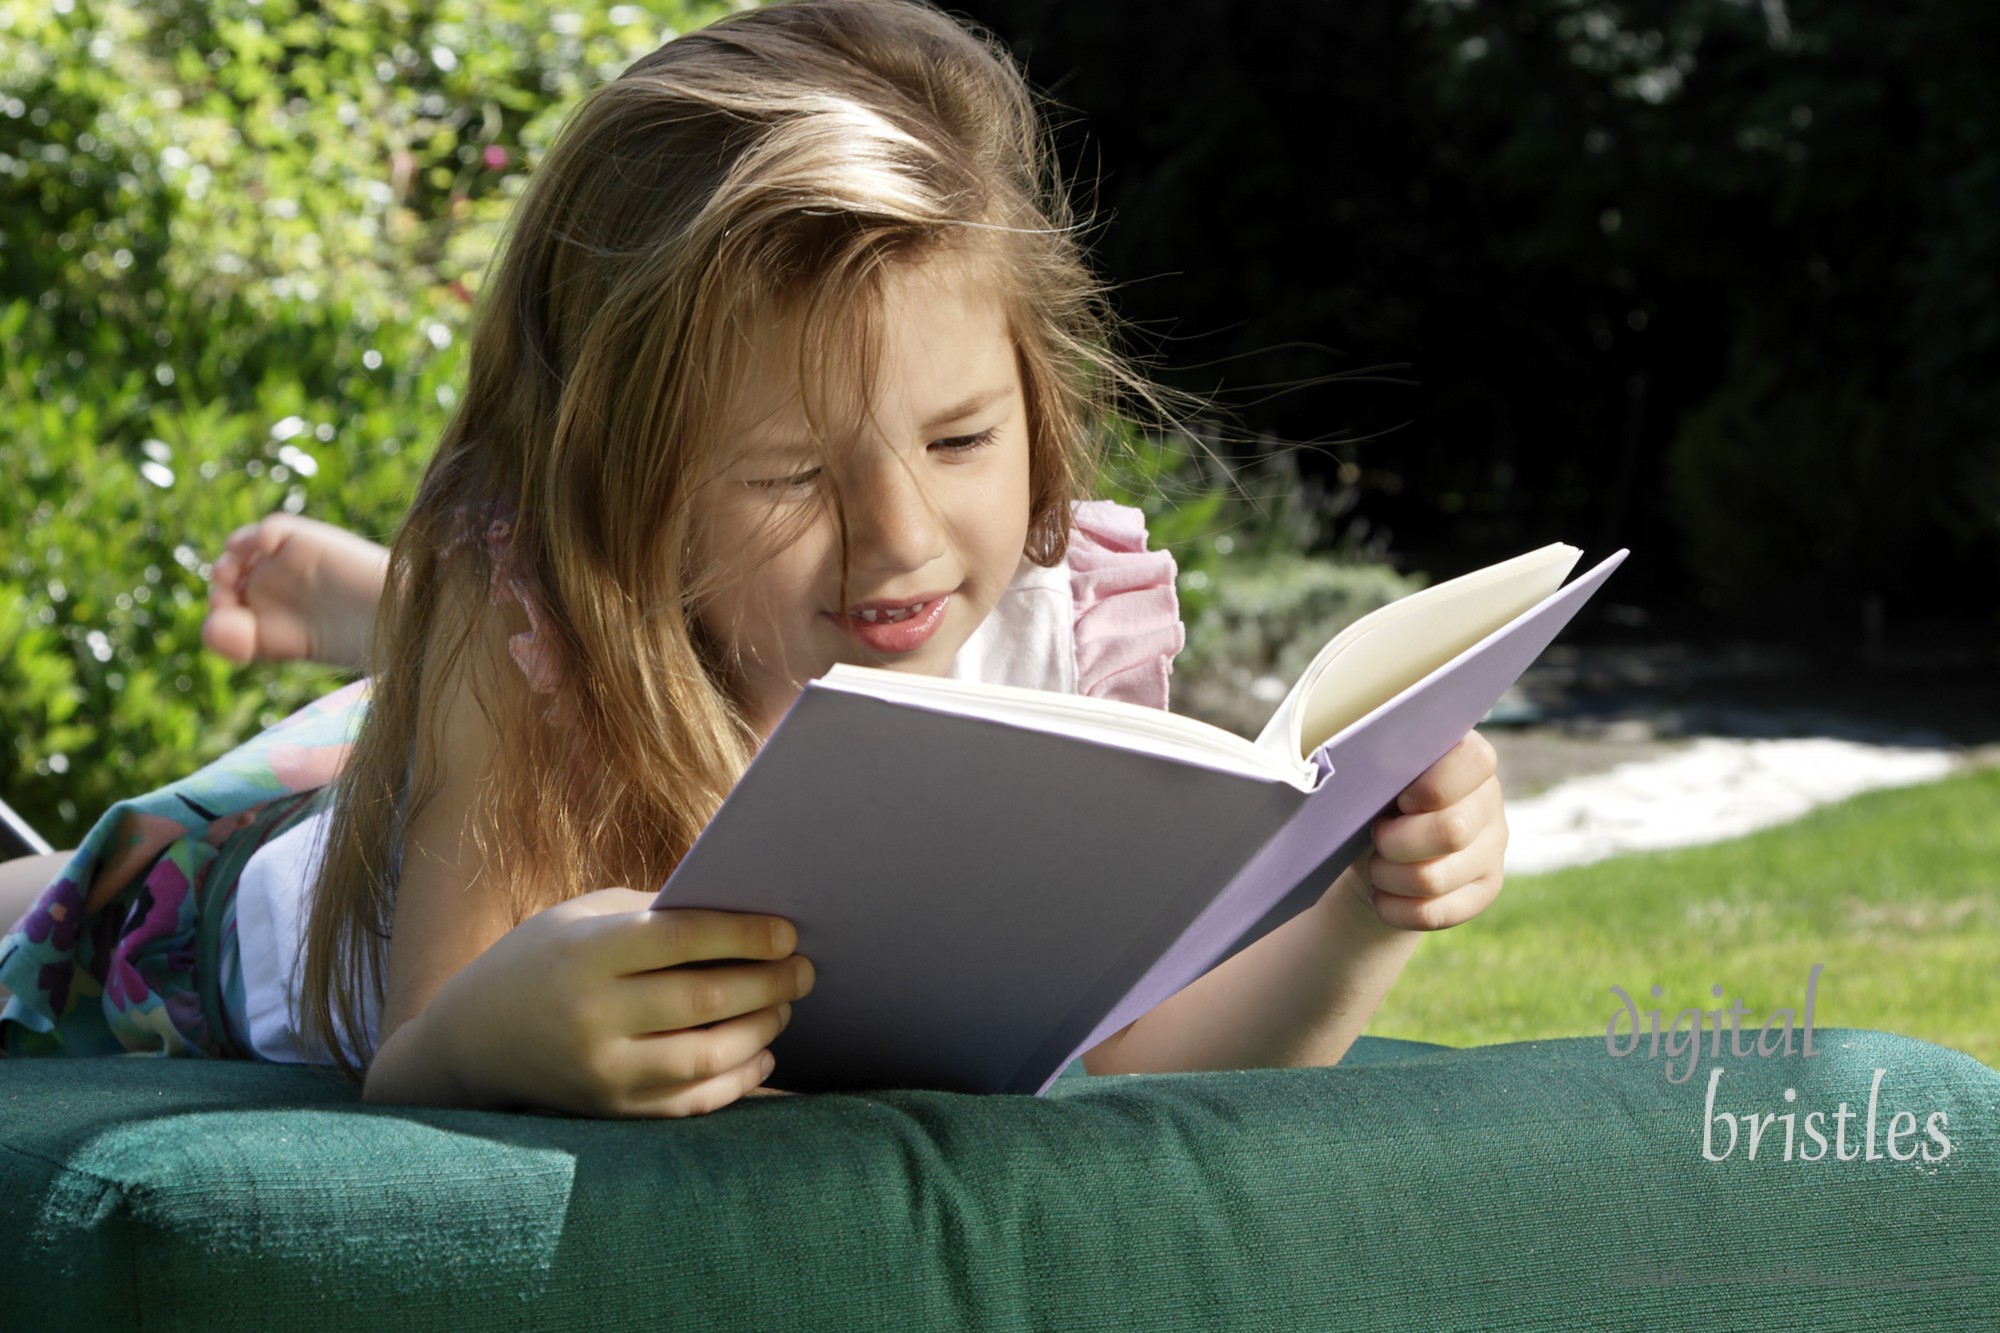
x,y
776,162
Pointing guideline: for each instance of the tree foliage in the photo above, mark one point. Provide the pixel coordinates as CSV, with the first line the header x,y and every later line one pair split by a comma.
x,y
1711,278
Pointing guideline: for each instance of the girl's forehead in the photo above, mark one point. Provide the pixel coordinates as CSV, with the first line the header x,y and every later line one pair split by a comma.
x,y
932,343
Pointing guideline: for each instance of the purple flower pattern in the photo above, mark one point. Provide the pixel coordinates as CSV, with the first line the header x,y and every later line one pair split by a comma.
x,y
105,961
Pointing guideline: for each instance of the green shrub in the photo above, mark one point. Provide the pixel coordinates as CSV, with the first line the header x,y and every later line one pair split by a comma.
x,y
1267,618
238,242
1263,584
1799,502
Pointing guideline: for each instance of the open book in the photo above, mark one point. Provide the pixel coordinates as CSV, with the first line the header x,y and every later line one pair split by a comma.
x,y
991,880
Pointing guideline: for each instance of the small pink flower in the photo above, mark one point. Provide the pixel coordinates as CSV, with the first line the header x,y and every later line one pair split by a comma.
x,y
495,157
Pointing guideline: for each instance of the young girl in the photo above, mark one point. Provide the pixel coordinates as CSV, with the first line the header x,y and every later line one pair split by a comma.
x,y
791,359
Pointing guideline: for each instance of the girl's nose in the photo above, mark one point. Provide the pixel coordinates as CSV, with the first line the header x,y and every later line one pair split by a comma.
x,y
892,526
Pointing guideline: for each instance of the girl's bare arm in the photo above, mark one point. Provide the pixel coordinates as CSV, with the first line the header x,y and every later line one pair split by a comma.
x,y
583,1008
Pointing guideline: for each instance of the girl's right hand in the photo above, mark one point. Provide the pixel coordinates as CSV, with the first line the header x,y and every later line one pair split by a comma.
x,y
601,1006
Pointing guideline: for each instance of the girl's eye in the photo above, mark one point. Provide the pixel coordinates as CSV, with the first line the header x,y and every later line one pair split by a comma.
x,y
965,444
797,481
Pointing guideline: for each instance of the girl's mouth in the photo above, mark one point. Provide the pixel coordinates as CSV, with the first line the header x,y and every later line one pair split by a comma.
x,y
895,627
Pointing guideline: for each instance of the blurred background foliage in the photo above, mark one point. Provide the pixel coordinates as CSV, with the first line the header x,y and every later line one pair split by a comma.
x,y
238,245
1714,279
1710,278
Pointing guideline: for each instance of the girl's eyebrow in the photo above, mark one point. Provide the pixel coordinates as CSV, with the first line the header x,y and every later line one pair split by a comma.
x,y
785,455
780,446
978,402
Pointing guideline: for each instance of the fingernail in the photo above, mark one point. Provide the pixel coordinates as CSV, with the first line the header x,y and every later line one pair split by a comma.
x,y
767,1064
804,977
784,1014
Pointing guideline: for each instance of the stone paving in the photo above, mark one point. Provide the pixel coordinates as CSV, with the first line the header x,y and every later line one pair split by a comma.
x,y
1705,790
1637,751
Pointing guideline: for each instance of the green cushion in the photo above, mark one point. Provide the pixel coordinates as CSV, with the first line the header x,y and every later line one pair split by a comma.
x,y
1541,1185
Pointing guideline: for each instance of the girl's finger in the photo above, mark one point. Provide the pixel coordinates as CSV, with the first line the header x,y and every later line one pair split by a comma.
x,y
230,628
1453,909
238,549
1435,833
225,576
622,934
711,1094
1439,875
692,935
247,547
260,534
691,997
1451,779
668,1060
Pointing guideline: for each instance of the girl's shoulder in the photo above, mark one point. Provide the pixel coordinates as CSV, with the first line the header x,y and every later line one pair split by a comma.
x,y
1103,622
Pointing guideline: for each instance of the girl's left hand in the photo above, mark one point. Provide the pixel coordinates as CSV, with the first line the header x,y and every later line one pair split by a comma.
x,y
1438,858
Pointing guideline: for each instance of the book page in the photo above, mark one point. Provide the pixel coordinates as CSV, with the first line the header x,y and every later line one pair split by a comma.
x,y
1107,721
1394,647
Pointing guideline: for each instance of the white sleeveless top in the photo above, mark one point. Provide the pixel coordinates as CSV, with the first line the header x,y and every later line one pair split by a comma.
x,y
1102,622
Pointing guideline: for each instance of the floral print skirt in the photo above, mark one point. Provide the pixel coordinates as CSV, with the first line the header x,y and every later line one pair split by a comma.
x,y
133,948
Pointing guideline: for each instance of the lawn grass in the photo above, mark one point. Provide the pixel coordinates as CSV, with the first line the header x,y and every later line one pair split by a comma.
x,y
1896,892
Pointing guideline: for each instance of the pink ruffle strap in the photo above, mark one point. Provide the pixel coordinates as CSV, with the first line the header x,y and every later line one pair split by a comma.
x,y
1128,618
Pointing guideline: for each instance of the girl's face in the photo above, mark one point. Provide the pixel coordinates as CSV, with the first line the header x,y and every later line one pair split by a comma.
x,y
934,485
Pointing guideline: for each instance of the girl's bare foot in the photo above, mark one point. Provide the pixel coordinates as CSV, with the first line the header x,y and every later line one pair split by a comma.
x,y
287,588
